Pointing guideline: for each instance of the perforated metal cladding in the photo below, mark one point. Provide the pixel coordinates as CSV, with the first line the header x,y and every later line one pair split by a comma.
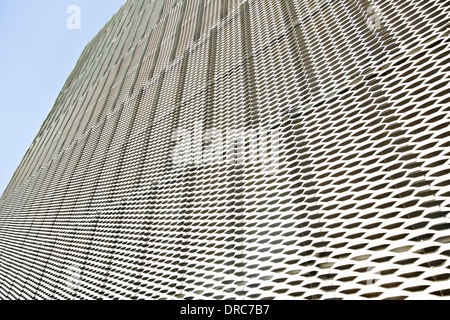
x,y
116,199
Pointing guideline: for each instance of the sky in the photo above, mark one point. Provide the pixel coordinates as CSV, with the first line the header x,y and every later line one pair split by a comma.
x,y
37,53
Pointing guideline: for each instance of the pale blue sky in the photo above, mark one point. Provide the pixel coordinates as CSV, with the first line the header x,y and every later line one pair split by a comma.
x,y
37,54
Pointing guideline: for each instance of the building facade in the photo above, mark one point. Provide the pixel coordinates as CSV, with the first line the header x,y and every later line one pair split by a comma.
x,y
228,149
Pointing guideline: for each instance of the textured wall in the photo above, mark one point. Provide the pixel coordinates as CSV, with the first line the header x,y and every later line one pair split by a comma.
x,y
233,149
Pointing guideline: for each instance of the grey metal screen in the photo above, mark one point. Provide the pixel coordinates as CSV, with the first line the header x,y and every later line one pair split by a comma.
x,y
260,149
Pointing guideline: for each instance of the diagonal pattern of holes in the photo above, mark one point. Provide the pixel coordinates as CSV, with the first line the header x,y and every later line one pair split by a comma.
x,y
354,94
